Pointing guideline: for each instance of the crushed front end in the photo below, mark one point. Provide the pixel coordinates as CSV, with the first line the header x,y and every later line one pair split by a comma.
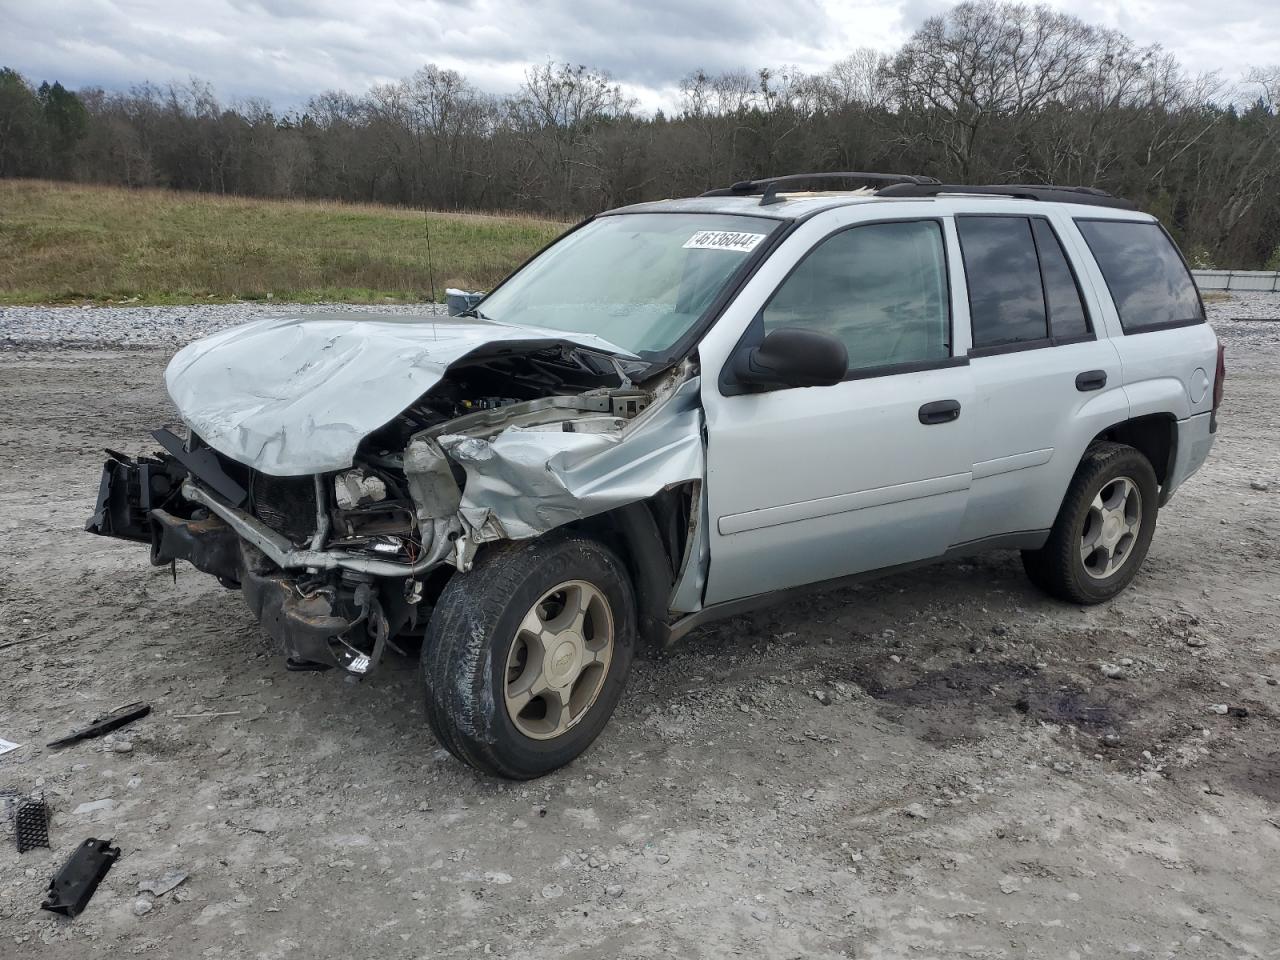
x,y
337,563
333,566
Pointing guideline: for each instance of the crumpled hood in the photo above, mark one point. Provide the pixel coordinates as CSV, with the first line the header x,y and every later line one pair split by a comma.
x,y
291,396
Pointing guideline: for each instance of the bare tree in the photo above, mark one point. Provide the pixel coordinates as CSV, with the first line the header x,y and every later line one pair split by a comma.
x,y
554,115
981,62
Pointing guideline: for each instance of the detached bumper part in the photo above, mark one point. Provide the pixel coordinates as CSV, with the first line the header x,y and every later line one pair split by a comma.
x,y
73,886
209,545
127,493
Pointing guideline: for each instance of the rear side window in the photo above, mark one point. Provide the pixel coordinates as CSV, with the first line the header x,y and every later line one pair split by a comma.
x,y
1006,301
1021,288
1149,283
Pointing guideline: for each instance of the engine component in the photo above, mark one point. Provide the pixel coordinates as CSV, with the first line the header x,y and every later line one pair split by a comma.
x,y
393,517
355,488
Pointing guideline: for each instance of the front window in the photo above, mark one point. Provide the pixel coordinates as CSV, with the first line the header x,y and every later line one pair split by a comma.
x,y
637,280
881,288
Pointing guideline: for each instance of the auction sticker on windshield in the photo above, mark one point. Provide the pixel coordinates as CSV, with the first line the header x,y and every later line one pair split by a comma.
x,y
723,240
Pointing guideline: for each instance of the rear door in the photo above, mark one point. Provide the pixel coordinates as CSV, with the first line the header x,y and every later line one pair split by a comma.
x,y
810,484
1045,380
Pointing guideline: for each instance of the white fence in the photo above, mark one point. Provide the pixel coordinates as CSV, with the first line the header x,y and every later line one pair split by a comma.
x,y
1237,280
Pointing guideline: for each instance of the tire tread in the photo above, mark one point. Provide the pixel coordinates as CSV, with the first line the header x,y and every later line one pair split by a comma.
x,y
1052,567
455,654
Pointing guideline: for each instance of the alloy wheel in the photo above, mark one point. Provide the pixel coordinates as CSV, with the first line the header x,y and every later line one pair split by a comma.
x,y
559,660
1111,528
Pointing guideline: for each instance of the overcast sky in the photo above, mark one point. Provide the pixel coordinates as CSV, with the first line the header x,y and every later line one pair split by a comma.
x,y
287,50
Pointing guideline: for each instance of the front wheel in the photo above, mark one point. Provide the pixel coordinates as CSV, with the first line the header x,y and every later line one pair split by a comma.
x,y
1103,529
526,656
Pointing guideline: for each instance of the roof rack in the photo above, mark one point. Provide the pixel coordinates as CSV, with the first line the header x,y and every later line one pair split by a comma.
x,y
768,188
1091,196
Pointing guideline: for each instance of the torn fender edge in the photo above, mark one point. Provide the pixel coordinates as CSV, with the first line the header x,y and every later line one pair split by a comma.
x,y
525,482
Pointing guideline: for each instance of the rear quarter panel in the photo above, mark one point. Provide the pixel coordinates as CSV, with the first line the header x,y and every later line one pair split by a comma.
x,y
1163,371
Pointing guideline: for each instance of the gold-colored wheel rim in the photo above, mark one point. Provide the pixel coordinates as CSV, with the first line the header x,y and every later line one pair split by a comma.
x,y
559,660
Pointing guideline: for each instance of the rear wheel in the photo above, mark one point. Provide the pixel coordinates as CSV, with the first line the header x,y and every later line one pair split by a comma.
x,y
1103,529
526,656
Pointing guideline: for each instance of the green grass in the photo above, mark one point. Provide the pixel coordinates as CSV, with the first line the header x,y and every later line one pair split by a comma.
x,y
67,243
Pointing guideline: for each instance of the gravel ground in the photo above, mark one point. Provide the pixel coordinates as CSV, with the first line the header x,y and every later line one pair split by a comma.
x,y
933,765
174,326
158,326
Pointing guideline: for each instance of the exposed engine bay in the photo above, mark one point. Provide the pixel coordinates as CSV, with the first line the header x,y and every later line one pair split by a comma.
x,y
504,444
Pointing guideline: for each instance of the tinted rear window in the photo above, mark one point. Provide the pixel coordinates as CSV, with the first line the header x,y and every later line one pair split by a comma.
x,y
1147,278
1006,300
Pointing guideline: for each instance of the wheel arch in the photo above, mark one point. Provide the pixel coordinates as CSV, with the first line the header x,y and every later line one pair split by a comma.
x,y
650,537
1154,435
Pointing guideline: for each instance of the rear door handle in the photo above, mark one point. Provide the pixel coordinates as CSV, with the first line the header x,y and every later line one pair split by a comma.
x,y
940,411
1091,380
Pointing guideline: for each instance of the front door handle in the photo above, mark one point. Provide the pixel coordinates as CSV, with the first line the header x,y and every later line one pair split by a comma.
x,y
940,411
1091,380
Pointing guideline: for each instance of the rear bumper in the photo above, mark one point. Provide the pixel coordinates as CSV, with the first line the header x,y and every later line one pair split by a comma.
x,y
1195,440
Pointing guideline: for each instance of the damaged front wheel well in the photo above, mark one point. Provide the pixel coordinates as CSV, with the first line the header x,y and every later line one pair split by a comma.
x,y
650,537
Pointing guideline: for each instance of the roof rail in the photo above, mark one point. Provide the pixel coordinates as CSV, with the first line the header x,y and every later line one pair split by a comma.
x,y
769,187
1091,196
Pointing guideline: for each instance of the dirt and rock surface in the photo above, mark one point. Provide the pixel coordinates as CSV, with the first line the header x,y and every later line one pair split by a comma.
x,y
934,765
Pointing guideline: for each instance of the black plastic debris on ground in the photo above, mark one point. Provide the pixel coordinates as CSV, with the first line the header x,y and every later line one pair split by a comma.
x,y
31,824
73,886
105,724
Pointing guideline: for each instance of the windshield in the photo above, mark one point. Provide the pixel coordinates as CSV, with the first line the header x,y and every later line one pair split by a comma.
x,y
639,280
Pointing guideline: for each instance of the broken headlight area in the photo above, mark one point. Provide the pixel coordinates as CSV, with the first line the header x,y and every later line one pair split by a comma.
x,y
127,492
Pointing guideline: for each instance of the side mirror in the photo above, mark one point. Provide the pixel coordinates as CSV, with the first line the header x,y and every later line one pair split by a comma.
x,y
792,357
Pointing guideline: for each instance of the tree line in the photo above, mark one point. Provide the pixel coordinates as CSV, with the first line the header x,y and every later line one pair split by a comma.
x,y
989,92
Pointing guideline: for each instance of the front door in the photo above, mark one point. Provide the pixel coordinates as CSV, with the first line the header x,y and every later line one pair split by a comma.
x,y
810,484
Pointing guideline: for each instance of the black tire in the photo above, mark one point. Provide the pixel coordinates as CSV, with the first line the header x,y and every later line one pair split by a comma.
x,y
471,634
1058,568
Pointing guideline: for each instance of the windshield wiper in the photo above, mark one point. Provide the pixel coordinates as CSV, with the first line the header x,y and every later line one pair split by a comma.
x,y
623,368
478,314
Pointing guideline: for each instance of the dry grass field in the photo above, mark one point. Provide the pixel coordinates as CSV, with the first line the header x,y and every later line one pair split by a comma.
x,y
68,243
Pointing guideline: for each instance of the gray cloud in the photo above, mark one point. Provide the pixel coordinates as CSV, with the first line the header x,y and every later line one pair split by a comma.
x,y
286,50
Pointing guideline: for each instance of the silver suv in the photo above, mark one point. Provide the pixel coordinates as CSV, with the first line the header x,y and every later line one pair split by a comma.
x,y
680,411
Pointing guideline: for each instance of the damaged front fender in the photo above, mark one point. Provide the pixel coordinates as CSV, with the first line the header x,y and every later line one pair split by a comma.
x,y
526,481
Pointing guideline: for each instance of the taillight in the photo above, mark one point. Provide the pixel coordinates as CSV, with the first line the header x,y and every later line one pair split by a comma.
x,y
1218,376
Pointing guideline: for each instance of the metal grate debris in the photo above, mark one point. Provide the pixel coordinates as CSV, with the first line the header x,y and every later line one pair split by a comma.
x,y
31,824
29,816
